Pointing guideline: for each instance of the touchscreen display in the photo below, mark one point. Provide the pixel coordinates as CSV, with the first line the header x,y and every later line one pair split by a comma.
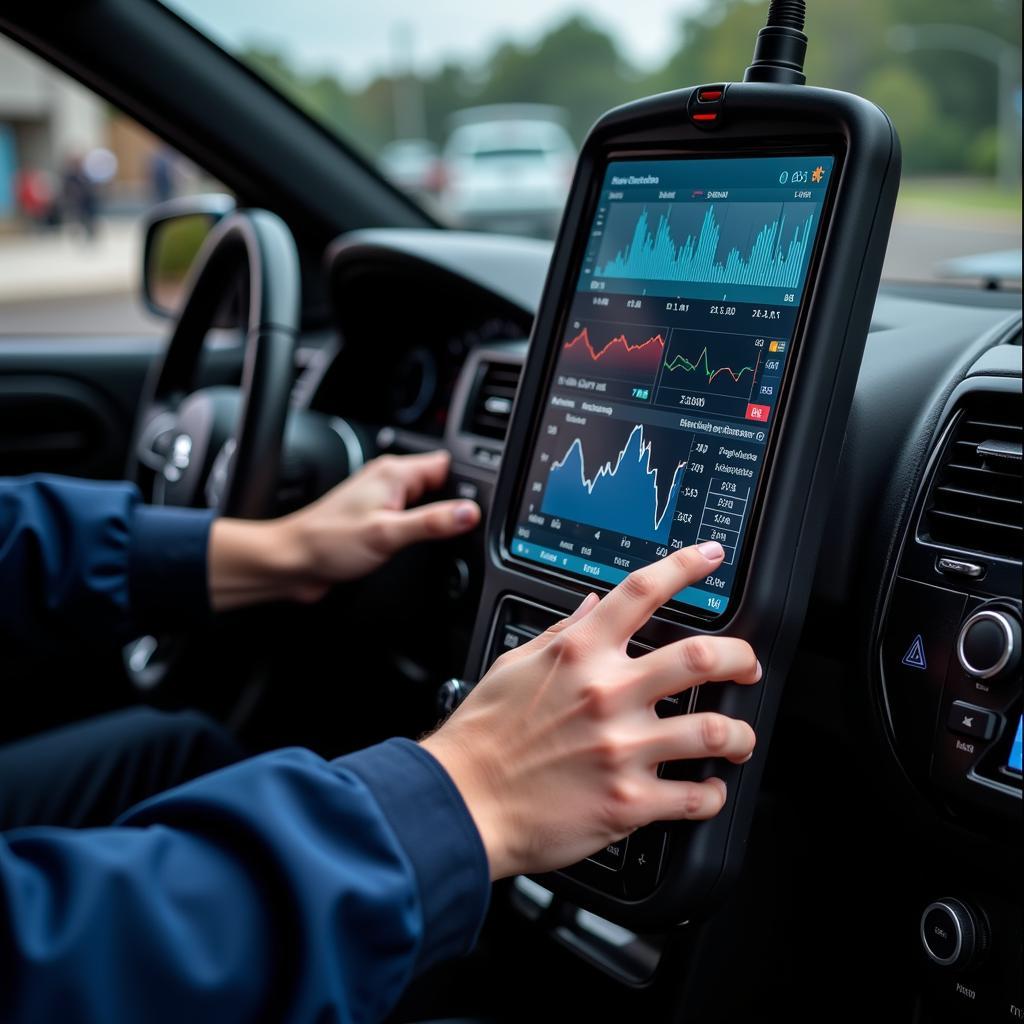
x,y
664,391
1014,763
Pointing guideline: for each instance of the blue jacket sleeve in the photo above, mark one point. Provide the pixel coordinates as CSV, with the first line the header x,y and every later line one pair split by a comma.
x,y
282,888
87,560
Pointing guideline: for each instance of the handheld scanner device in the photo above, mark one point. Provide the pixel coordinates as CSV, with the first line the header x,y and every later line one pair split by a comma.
x,y
689,378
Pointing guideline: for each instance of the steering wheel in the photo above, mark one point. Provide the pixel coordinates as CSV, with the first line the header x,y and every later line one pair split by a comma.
x,y
220,447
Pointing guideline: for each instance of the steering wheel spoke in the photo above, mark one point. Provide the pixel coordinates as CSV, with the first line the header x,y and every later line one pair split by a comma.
x,y
155,438
221,447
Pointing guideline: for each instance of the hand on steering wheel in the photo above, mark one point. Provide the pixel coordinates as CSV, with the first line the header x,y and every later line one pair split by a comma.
x,y
352,530
220,447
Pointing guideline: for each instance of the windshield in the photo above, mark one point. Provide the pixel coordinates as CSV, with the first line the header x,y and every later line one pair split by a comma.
x,y
476,110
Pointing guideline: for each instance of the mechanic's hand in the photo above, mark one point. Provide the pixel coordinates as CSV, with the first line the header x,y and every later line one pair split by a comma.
x,y
352,530
556,750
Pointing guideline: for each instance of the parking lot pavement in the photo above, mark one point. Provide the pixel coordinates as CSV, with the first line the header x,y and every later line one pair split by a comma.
x,y
62,264
113,316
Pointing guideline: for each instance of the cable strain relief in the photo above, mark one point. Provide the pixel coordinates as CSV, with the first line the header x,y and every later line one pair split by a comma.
x,y
778,56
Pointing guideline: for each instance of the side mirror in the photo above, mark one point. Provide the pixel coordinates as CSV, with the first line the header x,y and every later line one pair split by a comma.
x,y
174,234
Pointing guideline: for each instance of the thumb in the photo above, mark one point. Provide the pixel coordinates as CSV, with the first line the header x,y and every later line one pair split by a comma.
x,y
436,521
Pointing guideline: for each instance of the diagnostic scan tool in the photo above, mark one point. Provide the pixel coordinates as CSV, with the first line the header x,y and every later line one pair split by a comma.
x,y
689,378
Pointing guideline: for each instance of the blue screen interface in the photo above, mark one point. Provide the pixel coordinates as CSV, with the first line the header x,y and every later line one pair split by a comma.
x,y
666,382
1014,764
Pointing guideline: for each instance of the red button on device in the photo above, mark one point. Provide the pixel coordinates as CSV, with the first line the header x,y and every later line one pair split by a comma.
x,y
758,412
708,95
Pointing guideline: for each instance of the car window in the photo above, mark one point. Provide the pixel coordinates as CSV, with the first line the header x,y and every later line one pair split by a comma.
x,y
948,73
76,177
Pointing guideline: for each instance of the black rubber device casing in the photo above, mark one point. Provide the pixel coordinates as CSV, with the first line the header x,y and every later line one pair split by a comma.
x,y
783,541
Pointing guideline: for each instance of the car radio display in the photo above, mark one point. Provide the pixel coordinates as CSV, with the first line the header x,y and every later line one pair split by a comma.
x,y
664,391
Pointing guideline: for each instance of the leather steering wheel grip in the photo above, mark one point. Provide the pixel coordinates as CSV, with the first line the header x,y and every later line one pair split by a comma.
x,y
260,243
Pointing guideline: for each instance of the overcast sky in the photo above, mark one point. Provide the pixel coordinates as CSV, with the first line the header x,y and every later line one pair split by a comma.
x,y
358,39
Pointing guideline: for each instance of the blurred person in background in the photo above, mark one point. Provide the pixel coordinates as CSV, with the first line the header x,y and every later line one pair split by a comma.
x,y
79,200
163,175
35,197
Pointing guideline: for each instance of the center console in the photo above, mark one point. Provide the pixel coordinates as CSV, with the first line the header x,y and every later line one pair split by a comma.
x,y
949,667
951,638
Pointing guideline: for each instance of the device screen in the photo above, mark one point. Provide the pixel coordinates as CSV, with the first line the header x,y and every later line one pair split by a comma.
x,y
1014,762
665,388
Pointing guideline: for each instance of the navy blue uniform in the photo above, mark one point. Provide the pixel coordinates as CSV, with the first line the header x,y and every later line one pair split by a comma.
x,y
285,887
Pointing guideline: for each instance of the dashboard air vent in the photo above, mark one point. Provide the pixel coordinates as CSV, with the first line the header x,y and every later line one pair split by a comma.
x,y
975,502
490,405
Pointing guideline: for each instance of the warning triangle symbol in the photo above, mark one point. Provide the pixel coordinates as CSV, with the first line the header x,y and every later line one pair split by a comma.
x,y
914,658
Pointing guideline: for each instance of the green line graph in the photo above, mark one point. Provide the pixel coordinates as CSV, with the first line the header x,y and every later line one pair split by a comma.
x,y
701,364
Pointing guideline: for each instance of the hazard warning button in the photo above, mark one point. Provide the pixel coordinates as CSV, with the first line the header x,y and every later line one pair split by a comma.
x,y
917,645
915,656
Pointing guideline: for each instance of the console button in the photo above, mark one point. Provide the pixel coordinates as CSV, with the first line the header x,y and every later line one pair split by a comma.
x,y
644,861
920,627
613,856
457,579
970,720
508,638
917,647
468,489
989,643
669,707
958,567
940,934
952,934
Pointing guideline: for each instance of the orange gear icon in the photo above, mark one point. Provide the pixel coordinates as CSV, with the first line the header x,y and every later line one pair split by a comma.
x,y
817,174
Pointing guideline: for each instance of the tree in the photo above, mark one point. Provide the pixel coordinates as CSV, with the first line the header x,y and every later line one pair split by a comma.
x,y
943,104
575,66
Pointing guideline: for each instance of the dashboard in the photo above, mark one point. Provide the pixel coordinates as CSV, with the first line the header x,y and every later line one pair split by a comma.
x,y
909,662
386,315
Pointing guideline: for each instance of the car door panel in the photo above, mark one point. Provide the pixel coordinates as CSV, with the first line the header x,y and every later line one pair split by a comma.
x,y
67,405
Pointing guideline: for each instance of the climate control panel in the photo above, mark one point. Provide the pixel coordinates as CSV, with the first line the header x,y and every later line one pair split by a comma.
x,y
949,649
951,634
980,710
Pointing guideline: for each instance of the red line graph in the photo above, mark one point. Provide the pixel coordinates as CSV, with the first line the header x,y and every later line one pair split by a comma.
x,y
620,340
620,357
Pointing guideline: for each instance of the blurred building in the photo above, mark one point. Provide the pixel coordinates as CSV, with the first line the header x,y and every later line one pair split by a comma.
x,y
46,117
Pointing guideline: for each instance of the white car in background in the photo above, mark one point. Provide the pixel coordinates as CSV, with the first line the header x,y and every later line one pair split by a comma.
x,y
413,165
508,168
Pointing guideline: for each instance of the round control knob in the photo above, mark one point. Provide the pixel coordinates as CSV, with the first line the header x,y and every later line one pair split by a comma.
x,y
457,579
952,934
989,643
450,694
